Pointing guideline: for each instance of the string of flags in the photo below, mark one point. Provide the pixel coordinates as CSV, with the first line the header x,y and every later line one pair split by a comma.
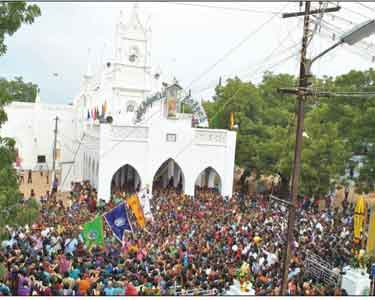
x,y
95,114
117,219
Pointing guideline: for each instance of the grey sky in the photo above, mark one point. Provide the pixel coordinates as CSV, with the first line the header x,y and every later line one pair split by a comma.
x,y
186,40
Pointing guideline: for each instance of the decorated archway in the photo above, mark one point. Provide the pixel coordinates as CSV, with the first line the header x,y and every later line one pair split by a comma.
x,y
209,178
126,179
169,175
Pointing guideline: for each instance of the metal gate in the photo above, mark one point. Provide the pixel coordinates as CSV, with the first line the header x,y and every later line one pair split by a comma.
x,y
321,270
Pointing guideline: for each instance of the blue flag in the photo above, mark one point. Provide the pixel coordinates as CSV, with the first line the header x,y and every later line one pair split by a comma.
x,y
118,220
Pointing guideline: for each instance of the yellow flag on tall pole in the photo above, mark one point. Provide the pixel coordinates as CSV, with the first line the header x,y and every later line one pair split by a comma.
x,y
359,217
371,233
135,206
231,120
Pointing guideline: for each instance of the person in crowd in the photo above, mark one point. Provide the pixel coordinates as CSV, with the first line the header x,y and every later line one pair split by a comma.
x,y
55,185
192,246
30,177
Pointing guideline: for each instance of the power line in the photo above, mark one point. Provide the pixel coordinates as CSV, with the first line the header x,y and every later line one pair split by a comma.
x,y
352,11
279,62
74,159
229,52
260,63
363,46
365,6
225,8
278,46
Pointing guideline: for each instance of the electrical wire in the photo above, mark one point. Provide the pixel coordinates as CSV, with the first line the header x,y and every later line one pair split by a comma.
x,y
257,66
224,8
260,63
74,159
350,49
352,11
237,46
276,64
365,6
341,31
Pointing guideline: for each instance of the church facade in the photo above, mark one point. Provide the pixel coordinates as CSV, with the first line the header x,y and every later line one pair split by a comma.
x,y
127,129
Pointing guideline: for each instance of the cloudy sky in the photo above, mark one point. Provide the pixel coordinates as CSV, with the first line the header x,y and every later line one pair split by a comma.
x,y
195,43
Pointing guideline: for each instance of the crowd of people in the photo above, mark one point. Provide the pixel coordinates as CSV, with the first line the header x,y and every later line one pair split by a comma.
x,y
192,245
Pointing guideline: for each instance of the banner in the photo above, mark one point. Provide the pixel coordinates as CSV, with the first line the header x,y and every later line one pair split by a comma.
x,y
172,107
359,213
93,232
135,205
118,220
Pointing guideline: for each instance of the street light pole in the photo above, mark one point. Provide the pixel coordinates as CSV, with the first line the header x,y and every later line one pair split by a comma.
x,y
358,33
297,150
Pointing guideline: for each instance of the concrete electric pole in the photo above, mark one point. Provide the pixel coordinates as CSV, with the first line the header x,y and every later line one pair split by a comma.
x,y
54,148
304,73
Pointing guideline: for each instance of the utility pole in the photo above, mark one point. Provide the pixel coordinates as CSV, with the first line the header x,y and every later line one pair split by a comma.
x,y
304,73
297,150
54,148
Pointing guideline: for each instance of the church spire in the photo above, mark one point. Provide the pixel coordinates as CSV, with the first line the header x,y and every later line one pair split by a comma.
x,y
134,22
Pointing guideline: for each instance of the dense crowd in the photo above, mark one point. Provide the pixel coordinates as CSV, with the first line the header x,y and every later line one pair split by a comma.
x,y
193,245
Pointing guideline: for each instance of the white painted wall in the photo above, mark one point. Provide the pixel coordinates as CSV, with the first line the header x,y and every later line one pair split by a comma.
x,y
148,154
32,126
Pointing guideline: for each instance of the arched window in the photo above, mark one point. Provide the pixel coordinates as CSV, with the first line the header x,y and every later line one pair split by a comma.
x,y
130,108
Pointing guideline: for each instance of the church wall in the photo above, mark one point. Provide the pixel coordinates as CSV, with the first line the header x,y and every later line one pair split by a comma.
x,y
32,126
194,150
130,76
115,153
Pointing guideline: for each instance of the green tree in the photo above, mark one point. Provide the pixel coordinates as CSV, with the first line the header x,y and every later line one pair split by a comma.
x,y
266,134
18,90
12,16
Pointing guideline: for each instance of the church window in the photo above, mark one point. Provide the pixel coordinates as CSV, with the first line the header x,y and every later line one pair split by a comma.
x,y
130,108
171,137
41,159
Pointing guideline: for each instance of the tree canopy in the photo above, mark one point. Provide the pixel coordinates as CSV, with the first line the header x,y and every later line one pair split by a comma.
x,y
336,128
18,90
12,16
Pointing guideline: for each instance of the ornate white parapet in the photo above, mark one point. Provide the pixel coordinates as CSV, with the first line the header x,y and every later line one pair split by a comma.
x,y
210,137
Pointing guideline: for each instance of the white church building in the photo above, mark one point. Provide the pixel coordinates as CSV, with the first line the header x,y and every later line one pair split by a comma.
x,y
126,129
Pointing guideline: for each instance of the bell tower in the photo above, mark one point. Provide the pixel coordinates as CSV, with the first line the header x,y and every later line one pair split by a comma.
x,y
131,40
131,64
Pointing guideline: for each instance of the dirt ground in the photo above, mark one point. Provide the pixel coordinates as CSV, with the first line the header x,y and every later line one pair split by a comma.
x,y
39,183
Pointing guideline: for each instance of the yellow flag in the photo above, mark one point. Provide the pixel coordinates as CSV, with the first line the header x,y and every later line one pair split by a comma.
x,y
135,205
231,120
359,217
371,233
105,106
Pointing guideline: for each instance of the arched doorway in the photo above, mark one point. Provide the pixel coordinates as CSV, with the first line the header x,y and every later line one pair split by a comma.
x,y
126,179
169,175
209,178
